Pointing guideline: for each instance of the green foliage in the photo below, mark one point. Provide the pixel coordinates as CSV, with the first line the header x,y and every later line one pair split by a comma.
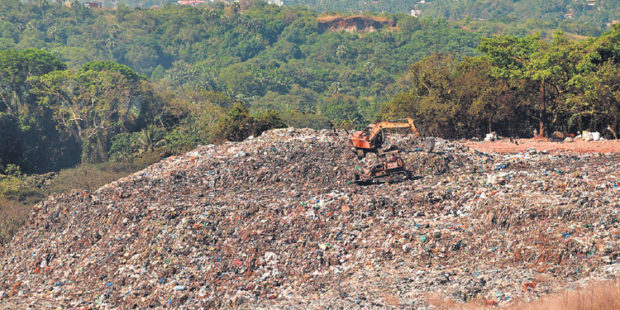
x,y
182,139
110,66
15,188
127,146
13,170
518,82
267,120
305,120
22,117
254,53
53,117
123,147
237,124
15,67
491,16
342,108
10,135
94,104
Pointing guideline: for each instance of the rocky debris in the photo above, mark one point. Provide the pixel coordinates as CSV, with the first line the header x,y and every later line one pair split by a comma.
x,y
354,24
275,221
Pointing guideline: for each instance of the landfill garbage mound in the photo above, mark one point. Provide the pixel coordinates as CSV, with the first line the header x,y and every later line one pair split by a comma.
x,y
276,221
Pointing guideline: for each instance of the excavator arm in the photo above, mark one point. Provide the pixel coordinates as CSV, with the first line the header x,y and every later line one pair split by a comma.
x,y
371,138
404,123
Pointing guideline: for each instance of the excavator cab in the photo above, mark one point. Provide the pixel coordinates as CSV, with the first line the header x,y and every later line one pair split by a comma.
x,y
367,138
389,166
373,138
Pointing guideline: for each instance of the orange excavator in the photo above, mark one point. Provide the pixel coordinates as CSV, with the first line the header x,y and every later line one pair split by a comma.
x,y
389,167
373,138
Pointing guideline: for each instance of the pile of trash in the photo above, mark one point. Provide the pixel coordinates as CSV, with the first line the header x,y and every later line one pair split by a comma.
x,y
276,221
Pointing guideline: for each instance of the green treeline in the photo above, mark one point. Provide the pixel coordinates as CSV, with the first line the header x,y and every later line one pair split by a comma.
x,y
583,17
517,86
268,56
52,117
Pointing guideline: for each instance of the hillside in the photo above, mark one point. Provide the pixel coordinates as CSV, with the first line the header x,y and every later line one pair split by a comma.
x,y
271,57
274,221
590,17
354,24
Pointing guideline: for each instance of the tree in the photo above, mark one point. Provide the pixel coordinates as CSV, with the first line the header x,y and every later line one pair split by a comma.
x,y
594,90
267,120
10,139
236,125
342,108
15,68
521,58
93,104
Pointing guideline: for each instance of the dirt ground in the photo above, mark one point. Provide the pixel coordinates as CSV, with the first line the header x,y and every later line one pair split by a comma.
x,y
505,146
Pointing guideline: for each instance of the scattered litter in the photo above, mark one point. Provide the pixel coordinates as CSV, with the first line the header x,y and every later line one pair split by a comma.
x,y
276,221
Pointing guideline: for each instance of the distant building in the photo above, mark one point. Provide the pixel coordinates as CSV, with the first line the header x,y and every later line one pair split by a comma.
x,y
191,2
93,5
415,13
570,14
276,2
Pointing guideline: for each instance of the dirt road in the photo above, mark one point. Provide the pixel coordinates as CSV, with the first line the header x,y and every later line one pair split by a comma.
x,y
505,146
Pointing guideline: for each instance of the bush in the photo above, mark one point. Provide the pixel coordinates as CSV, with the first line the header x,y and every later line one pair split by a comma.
x,y
16,189
181,139
13,170
123,147
13,215
89,176
238,124
267,120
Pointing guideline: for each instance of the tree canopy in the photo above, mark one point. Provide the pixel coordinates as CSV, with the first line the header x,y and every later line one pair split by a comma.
x,y
256,53
518,85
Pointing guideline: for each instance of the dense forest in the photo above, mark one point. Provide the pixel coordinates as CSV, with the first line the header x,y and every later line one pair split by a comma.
x,y
522,17
516,17
518,85
271,57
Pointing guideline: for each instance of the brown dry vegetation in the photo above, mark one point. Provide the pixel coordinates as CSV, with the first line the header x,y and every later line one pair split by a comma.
x,y
87,177
12,216
594,296
354,23
17,195
598,296
331,18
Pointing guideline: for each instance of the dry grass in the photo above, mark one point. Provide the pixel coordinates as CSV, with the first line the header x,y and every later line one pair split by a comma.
x,y
91,177
17,196
595,296
88,177
598,296
13,214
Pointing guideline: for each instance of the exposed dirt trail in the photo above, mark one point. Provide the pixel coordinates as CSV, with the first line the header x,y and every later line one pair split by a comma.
x,y
505,146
